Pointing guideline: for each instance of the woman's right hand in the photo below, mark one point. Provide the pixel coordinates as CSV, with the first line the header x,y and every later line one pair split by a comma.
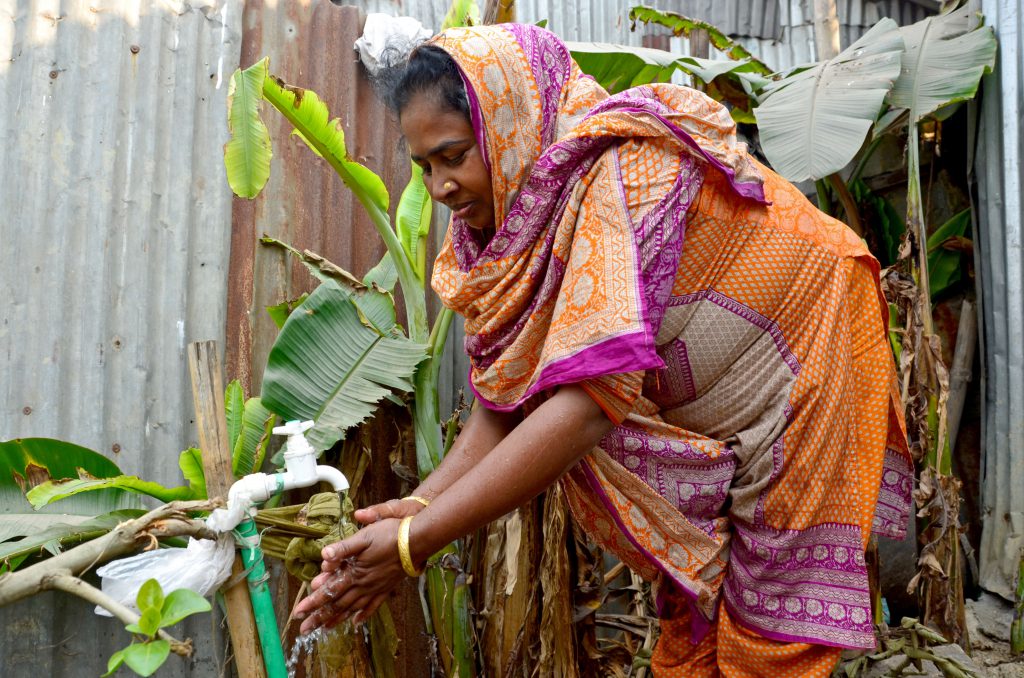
x,y
394,508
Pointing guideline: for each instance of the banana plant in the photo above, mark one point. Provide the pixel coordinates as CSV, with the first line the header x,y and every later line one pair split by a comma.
x,y
341,351
946,56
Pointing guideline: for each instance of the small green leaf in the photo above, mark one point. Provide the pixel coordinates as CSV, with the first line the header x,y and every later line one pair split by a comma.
x,y
247,154
190,462
148,624
114,663
180,604
234,404
150,596
145,658
279,313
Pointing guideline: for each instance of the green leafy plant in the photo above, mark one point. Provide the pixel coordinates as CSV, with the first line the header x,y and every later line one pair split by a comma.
x,y
341,351
148,651
27,463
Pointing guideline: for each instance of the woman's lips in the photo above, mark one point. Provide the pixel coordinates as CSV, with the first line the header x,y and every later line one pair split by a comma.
x,y
465,210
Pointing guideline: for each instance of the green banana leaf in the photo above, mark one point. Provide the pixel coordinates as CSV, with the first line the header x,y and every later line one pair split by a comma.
x,y
28,462
887,222
331,366
234,408
619,67
376,306
251,446
461,13
412,221
945,265
56,536
247,154
944,61
682,25
55,490
279,312
310,117
813,123
384,275
189,461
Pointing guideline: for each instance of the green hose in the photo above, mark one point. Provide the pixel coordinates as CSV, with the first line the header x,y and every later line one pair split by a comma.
x,y
262,603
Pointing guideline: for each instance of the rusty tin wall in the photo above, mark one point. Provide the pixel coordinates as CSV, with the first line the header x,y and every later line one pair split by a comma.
x,y
114,233
1000,264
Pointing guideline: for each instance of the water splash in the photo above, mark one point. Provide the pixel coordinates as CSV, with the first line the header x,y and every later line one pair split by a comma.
x,y
303,647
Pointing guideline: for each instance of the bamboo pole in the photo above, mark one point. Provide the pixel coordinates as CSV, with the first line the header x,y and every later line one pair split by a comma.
x,y
208,395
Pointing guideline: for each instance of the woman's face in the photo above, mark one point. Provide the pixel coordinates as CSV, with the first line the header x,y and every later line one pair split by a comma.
x,y
442,142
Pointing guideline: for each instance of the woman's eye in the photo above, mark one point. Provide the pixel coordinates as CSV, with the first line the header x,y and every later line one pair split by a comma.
x,y
457,159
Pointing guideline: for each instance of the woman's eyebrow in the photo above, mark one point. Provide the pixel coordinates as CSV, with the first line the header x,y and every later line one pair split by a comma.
x,y
443,146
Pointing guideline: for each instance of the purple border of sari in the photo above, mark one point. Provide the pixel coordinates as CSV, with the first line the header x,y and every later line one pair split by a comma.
x,y
699,623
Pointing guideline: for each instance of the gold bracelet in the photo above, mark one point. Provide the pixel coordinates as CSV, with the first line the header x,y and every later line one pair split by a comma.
x,y
403,548
413,497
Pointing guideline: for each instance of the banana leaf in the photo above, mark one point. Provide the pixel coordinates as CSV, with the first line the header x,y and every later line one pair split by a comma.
x,y
251,445
813,123
682,25
247,154
412,221
330,366
619,67
234,407
945,264
56,536
28,462
944,61
189,461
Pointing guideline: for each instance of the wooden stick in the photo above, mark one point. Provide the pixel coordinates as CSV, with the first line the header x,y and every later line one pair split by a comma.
x,y
208,394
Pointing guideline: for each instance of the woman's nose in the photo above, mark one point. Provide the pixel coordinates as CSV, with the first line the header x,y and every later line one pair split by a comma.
x,y
442,187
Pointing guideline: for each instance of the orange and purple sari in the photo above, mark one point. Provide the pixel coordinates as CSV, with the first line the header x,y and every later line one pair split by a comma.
x,y
733,333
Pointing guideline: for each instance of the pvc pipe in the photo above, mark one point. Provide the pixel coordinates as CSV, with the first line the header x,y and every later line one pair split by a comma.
x,y
262,602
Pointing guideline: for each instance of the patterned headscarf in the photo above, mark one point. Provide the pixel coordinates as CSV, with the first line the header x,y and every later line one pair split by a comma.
x,y
568,288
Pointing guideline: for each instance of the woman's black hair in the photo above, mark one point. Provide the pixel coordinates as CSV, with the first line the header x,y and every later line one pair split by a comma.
x,y
430,70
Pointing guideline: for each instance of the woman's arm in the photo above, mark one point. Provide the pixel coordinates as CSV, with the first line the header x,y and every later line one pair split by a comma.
x,y
529,459
482,432
537,453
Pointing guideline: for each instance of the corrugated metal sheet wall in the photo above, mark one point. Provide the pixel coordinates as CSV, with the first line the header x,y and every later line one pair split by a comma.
x,y
1001,184
114,229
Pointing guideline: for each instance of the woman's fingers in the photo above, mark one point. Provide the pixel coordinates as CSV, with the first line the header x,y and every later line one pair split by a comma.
x,y
367,610
346,548
394,508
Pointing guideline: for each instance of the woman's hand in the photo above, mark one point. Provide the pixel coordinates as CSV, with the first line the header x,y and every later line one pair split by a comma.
x,y
358,574
395,508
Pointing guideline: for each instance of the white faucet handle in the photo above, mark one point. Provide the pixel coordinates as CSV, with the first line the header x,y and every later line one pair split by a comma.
x,y
294,427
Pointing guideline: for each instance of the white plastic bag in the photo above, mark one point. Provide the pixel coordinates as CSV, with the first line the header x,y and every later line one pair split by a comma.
x,y
383,32
202,566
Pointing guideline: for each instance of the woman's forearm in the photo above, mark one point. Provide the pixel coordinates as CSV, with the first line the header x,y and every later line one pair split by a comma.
x,y
528,460
482,432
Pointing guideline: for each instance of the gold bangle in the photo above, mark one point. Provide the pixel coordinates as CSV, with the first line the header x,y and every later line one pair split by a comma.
x,y
413,497
403,548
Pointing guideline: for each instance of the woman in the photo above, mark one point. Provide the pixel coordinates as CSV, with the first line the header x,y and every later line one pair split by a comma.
x,y
719,412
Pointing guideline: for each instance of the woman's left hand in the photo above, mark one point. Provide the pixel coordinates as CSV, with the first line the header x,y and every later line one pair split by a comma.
x,y
357,575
